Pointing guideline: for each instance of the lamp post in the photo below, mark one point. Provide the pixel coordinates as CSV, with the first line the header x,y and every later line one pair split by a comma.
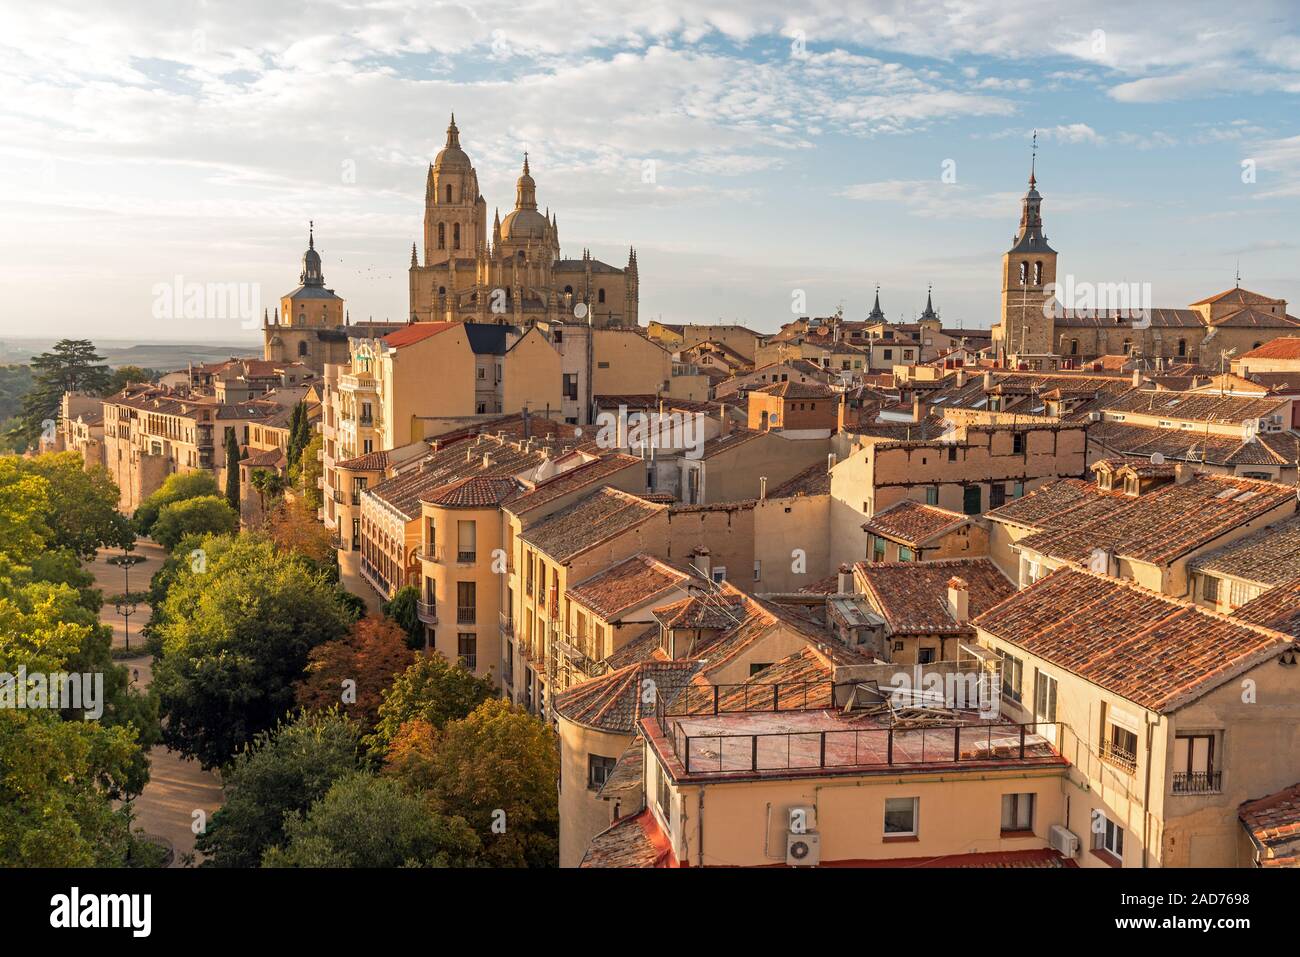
x,y
127,606
126,609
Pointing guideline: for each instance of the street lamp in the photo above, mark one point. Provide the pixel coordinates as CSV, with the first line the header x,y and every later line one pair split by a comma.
x,y
126,607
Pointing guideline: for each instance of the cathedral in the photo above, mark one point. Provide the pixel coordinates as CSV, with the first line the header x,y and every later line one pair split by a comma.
x,y
513,275
1038,331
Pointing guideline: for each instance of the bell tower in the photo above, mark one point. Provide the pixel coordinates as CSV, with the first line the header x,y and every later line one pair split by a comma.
x,y
455,215
1028,278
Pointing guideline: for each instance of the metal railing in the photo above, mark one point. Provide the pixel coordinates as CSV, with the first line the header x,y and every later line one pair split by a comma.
x,y
465,615
468,662
466,558
1197,782
507,624
427,612
1118,757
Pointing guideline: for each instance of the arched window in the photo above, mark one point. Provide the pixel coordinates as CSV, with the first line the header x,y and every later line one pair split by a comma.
x,y
1024,273
1256,346
302,348
455,235
1182,347
1128,346
442,236
1038,274
600,295
449,192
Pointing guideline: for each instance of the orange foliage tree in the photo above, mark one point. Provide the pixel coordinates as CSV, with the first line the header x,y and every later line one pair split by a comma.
x,y
354,671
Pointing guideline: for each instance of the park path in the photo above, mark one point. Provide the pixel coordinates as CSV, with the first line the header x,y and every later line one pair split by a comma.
x,y
177,787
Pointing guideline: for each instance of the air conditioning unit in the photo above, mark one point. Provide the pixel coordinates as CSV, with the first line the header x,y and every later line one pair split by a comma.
x,y
801,819
1063,840
803,850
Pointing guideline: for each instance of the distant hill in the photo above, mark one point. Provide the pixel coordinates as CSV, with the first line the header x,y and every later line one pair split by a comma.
x,y
165,356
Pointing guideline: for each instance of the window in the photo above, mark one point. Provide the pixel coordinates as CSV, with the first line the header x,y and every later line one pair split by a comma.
x,y
449,192
467,650
877,549
758,570
900,816
905,554
1194,771
600,295
455,233
442,236
1018,812
887,354
720,573
952,453
932,495
1107,836
1018,490
971,500
599,768
466,550
1120,747
466,603
997,494
1012,673
571,385
664,794
1017,443
1210,588
1044,696
924,656
756,666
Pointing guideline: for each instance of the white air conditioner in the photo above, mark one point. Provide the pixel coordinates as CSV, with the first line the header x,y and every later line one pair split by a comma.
x,y
803,850
1063,840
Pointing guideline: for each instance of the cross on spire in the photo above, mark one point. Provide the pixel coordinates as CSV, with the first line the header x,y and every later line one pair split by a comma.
x,y
1033,159
311,234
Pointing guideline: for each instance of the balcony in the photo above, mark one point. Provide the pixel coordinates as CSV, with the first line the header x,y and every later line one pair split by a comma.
x,y
427,612
357,383
468,662
365,421
1118,757
507,625
466,558
431,553
1197,782
465,616
338,496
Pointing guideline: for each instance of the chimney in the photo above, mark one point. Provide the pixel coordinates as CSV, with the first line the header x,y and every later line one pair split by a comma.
x,y
762,488
830,461
1137,378
701,561
724,419
988,380
961,377
958,600
845,585
527,425
918,408
1183,473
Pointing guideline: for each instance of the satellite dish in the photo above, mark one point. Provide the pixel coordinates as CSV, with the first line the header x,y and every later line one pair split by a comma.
x,y
1157,458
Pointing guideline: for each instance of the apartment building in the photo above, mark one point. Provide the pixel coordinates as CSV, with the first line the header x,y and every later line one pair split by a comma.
x,y
1171,716
1235,574
805,409
911,531
677,337
80,428
799,371
1141,522
738,464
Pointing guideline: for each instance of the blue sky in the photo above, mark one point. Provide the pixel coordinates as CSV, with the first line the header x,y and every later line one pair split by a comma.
x,y
795,146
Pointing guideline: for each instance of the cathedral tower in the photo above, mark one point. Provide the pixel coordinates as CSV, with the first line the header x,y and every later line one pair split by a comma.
x,y
455,215
1028,276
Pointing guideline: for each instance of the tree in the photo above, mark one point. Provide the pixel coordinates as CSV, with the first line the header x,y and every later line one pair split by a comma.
x,y
309,469
204,515
269,484
432,689
369,656
402,609
284,770
124,376
369,821
232,470
499,759
71,366
238,623
293,526
175,488
81,512
300,434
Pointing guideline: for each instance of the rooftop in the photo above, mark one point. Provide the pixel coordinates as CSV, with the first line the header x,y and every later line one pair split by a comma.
x,y
913,596
914,523
814,480
1269,556
1284,347
593,519
627,584
1158,652
1273,823
1278,608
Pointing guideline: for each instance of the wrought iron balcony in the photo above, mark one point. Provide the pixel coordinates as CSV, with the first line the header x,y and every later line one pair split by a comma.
x,y
1118,757
465,615
468,662
507,625
427,612
1197,782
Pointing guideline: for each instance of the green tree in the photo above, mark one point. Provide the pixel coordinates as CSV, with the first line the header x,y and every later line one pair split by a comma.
x,y
72,365
369,821
431,689
402,609
238,623
269,485
500,758
232,470
204,515
308,471
124,376
175,488
284,770
81,512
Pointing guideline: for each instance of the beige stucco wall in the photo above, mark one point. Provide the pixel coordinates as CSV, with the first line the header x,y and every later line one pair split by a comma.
x,y
784,525
583,815
624,362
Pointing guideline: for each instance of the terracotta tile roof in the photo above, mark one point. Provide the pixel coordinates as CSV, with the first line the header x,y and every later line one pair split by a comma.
x,y
646,646
616,702
1049,505
1193,445
814,480
1269,556
1273,823
264,458
625,780
1160,525
913,596
627,584
632,842
416,332
1283,347
800,680
1278,608
1198,406
460,460
1237,295
369,462
580,476
914,523
593,519
725,443
798,390
1156,651
829,585
476,491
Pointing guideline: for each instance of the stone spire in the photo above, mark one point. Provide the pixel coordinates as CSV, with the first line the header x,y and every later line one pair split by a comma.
x,y
929,306
876,314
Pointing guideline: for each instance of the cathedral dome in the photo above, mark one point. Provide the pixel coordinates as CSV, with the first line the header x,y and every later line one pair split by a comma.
x,y
524,224
452,156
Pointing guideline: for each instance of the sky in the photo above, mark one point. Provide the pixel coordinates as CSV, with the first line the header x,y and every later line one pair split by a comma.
x,y
758,154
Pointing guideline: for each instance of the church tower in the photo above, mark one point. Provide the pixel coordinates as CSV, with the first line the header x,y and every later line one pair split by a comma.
x,y
455,215
1028,276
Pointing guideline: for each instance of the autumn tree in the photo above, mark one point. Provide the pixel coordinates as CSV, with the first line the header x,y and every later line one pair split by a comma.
x,y
432,689
354,671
